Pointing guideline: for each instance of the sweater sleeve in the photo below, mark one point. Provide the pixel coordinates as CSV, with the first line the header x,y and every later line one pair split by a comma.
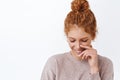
x,y
95,76
49,70
106,72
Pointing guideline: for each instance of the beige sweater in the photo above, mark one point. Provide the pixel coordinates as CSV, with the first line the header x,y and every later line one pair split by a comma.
x,y
66,67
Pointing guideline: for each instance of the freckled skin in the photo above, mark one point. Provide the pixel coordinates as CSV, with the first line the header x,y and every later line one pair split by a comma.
x,y
76,37
80,44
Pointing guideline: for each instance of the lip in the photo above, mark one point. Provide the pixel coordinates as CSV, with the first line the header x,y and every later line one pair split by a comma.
x,y
78,52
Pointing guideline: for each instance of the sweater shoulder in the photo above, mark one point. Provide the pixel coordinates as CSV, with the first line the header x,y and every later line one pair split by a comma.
x,y
58,57
104,60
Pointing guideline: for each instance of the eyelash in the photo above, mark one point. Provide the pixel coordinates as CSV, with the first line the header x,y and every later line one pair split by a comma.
x,y
85,40
72,41
82,40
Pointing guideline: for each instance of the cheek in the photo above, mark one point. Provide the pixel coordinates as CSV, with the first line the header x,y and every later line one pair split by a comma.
x,y
86,43
72,45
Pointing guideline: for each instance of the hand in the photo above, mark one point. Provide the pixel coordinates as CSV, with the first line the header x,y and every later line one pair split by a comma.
x,y
90,54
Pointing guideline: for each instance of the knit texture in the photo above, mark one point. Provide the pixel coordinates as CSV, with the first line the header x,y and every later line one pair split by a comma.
x,y
65,67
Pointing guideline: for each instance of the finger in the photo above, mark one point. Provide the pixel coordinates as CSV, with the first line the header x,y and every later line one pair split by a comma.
x,y
80,55
87,56
84,56
86,47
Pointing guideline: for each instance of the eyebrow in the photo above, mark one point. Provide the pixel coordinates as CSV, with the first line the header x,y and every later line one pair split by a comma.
x,y
81,38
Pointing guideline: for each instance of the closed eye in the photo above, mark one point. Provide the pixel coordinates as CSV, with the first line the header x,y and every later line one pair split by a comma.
x,y
72,41
85,40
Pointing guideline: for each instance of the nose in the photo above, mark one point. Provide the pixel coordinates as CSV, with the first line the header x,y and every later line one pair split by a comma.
x,y
78,45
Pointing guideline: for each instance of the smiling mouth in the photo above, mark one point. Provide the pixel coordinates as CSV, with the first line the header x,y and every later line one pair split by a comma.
x,y
79,52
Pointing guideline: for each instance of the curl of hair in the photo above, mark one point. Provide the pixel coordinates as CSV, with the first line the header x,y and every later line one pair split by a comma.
x,y
82,16
79,5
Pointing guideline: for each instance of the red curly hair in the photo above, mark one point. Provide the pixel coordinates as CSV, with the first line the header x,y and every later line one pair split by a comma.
x,y
82,16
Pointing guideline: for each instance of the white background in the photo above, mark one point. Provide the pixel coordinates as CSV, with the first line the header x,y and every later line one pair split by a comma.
x,y
32,30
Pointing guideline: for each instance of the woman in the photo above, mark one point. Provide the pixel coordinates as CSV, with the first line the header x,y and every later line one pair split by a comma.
x,y
83,61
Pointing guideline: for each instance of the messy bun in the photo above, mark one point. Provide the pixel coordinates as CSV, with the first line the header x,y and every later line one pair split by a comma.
x,y
79,5
82,16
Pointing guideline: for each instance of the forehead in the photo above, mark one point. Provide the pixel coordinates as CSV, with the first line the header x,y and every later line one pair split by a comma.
x,y
76,32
